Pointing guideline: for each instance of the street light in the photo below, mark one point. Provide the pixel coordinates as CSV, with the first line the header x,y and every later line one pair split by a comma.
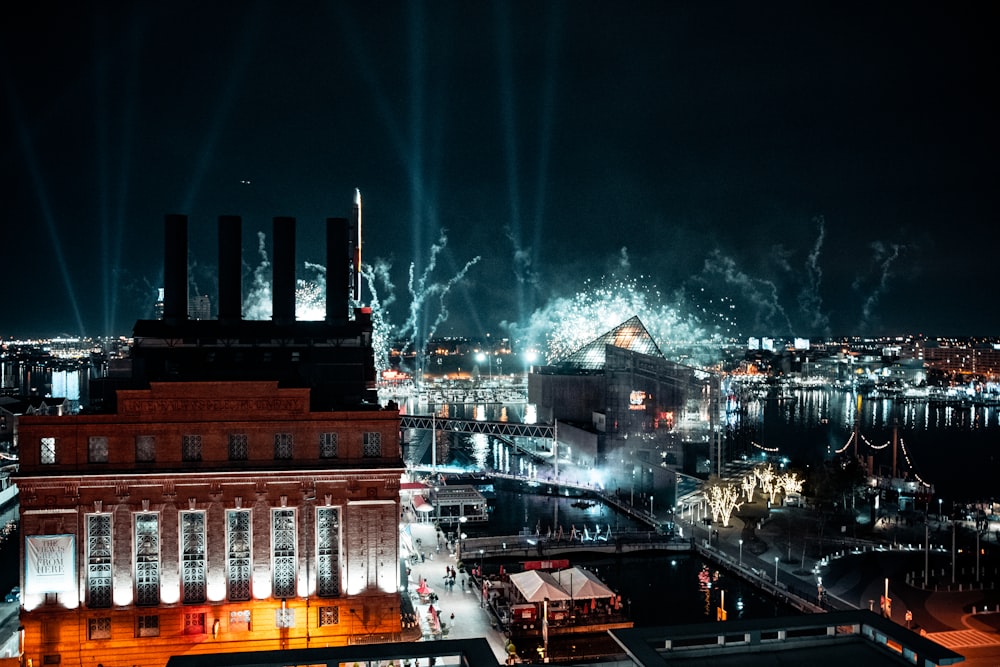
x,y
775,570
482,581
461,536
481,357
741,552
437,505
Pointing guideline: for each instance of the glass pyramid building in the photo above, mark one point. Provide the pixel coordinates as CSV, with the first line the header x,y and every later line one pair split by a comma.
x,y
629,335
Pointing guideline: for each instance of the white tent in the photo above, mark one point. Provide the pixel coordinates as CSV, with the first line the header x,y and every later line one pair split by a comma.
x,y
582,583
535,586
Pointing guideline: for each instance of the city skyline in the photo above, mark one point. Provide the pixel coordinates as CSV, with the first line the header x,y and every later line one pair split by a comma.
x,y
746,171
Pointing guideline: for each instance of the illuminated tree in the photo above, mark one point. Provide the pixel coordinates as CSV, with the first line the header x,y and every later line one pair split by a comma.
x,y
766,478
790,482
749,483
722,500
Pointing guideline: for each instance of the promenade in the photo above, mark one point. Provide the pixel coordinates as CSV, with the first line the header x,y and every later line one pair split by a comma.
x,y
855,573
791,555
462,615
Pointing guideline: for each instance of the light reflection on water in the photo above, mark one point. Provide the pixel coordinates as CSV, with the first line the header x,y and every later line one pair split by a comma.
x,y
951,445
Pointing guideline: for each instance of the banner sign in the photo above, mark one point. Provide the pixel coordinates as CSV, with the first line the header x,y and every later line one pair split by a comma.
x,y
49,564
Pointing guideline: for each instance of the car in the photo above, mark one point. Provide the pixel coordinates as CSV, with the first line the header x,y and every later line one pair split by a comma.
x,y
14,595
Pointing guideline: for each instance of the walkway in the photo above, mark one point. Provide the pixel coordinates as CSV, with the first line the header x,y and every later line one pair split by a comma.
x,y
461,616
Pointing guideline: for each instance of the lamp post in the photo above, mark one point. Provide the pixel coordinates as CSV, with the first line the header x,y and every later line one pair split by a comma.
x,y
953,551
940,500
461,536
437,505
482,581
741,552
481,357
775,570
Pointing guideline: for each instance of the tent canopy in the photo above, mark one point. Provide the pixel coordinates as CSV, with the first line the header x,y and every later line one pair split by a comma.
x,y
535,586
582,583
422,505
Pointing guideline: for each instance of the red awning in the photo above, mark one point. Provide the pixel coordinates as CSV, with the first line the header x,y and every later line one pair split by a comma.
x,y
422,505
557,564
412,486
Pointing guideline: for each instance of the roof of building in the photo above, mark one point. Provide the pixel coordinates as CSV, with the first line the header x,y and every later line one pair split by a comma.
x,y
471,651
581,583
537,586
837,638
629,335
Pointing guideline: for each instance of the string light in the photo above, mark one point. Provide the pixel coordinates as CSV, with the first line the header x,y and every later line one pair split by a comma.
x,y
772,450
909,463
868,442
846,445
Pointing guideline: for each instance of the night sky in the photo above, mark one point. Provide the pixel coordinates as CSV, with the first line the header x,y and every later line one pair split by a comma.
x,y
809,168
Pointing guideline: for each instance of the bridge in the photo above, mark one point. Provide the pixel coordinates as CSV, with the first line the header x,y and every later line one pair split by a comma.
x,y
506,429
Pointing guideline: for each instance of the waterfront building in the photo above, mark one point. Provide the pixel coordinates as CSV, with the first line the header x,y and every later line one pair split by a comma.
x,y
630,412
459,504
237,490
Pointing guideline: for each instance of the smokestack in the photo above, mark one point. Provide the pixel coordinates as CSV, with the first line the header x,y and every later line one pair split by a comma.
x,y
230,268
357,246
338,270
283,272
175,278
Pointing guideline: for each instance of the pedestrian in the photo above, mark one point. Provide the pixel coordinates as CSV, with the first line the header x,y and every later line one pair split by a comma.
x,y
453,618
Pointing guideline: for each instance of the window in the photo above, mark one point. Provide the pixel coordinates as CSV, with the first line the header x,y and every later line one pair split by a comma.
x,y
283,554
329,616
147,626
191,448
282,446
238,448
48,451
97,449
98,561
193,557
99,628
372,444
238,562
328,551
239,620
147,558
194,623
284,618
328,445
145,448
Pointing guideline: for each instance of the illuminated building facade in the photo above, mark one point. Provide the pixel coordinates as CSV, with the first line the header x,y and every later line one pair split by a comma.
x,y
238,491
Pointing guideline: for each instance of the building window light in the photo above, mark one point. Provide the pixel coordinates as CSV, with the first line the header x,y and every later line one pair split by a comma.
x,y
47,454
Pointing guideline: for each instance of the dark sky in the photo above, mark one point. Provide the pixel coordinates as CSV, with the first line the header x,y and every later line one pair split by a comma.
x,y
823,167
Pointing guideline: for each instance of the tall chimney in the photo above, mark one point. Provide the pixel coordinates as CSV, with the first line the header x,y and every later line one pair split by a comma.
x,y
357,245
175,278
230,268
338,270
283,272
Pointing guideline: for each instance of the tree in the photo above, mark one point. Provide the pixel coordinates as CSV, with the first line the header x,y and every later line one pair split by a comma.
x,y
749,483
790,483
722,500
767,479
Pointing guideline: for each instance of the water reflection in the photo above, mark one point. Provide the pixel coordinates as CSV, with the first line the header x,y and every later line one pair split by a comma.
x,y
949,443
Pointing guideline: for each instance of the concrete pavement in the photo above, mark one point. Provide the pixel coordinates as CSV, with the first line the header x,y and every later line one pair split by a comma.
x,y
461,613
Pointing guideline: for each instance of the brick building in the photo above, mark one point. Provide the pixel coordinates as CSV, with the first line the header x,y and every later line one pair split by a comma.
x,y
237,492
